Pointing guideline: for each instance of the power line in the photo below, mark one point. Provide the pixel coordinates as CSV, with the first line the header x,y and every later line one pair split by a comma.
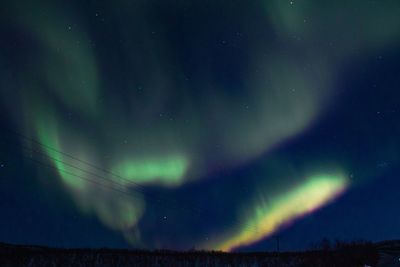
x,y
74,158
157,198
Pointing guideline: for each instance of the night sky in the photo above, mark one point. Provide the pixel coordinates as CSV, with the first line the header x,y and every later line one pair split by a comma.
x,y
199,124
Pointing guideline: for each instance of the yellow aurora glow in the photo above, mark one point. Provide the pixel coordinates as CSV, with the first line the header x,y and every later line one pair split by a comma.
x,y
265,219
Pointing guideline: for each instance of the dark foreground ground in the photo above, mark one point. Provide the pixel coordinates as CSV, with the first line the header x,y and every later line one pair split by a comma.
x,y
365,254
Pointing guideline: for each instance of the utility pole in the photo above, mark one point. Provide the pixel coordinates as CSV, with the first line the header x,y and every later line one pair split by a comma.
x,y
277,243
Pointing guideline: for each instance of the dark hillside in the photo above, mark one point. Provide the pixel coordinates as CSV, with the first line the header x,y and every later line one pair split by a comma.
x,y
31,256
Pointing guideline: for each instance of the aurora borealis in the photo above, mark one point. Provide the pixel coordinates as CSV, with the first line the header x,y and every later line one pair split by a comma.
x,y
207,124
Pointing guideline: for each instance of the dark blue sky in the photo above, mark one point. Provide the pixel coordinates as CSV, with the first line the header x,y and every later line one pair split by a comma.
x,y
199,124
